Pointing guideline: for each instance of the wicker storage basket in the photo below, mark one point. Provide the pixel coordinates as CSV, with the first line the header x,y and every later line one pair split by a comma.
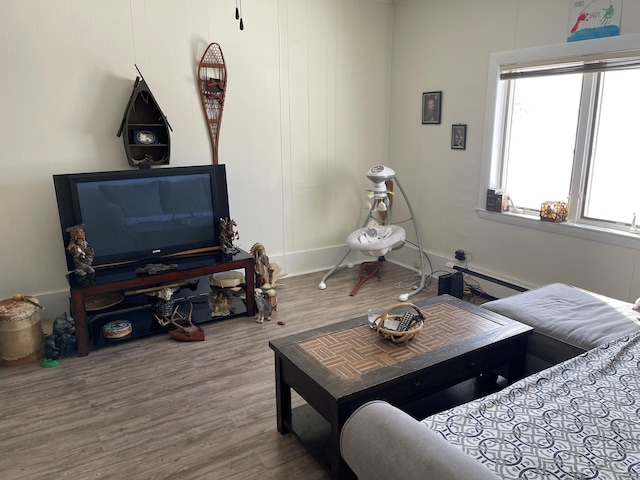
x,y
21,336
396,312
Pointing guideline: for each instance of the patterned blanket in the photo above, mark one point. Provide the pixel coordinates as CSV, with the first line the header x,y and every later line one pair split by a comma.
x,y
577,420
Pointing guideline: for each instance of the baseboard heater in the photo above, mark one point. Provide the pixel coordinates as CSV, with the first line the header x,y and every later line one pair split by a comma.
x,y
490,279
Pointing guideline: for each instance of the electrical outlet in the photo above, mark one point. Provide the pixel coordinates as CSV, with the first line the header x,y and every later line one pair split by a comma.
x,y
460,255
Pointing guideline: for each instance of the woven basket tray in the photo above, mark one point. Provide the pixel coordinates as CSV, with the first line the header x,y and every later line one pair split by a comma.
x,y
396,312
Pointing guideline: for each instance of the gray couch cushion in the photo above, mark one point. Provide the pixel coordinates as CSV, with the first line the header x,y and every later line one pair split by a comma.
x,y
571,315
379,441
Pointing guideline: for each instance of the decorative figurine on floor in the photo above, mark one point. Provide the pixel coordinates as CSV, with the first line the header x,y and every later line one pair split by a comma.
x,y
263,307
80,250
263,269
271,298
266,274
61,342
228,235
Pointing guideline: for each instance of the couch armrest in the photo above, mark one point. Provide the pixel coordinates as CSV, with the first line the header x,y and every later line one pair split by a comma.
x,y
379,441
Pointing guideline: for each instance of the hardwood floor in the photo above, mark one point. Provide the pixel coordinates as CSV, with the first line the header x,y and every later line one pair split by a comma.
x,y
155,408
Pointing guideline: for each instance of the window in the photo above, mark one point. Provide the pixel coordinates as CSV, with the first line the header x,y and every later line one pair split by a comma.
x,y
612,192
540,131
562,124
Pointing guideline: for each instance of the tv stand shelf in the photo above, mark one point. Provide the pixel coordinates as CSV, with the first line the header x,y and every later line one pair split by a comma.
x,y
124,278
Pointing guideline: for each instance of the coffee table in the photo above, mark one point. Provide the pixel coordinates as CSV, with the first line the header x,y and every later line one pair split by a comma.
x,y
339,367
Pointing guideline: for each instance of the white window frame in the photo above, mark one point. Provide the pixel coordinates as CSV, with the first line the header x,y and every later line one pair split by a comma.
x,y
493,121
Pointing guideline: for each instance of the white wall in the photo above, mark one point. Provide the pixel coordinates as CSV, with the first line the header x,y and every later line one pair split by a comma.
x,y
306,115
446,46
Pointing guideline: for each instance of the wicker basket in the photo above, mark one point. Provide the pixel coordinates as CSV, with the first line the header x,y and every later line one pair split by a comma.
x,y
394,335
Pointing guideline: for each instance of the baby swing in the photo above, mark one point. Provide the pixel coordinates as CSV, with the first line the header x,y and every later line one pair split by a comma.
x,y
377,240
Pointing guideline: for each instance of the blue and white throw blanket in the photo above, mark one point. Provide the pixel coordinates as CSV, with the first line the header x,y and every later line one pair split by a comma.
x,y
577,420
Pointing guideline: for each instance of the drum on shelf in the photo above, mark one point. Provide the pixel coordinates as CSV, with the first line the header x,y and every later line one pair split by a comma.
x,y
117,329
21,336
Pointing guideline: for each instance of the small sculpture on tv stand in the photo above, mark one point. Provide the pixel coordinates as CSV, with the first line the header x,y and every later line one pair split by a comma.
x,y
80,250
220,302
166,314
155,268
228,235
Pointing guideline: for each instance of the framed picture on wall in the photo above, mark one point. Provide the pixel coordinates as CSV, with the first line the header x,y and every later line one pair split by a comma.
x,y
431,107
459,137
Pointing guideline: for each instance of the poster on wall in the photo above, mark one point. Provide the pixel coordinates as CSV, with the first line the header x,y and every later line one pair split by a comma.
x,y
594,19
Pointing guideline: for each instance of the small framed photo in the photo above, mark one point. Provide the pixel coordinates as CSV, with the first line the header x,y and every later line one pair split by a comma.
x,y
431,107
458,137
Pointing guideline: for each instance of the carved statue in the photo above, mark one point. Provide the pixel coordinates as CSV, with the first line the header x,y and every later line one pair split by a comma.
x,y
166,314
263,307
263,269
62,341
220,302
228,235
80,250
166,303
266,276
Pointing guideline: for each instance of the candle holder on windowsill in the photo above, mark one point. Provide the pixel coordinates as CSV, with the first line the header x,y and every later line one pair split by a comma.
x,y
555,212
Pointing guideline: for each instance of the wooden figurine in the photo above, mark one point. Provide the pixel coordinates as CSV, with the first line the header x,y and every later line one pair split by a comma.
x,y
220,302
80,250
262,267
266,275
166,314
228,235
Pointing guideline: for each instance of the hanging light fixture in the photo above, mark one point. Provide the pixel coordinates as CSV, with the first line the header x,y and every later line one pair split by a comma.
x,y
239,13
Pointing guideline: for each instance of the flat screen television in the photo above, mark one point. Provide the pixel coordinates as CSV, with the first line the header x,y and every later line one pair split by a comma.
x,y
138,216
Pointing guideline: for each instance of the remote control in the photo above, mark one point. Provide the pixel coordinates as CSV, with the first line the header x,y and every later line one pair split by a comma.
x,y
405,322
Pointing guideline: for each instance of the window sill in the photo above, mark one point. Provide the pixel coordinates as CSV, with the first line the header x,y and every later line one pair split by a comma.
x,y
586,232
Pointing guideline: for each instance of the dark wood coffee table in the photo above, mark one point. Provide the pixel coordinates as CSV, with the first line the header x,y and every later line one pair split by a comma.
x,y
337,368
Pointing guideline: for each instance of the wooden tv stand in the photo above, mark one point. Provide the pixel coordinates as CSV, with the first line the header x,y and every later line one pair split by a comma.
x,y
124,278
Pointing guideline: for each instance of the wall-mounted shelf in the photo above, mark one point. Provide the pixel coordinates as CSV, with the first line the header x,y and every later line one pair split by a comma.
x,y
144,113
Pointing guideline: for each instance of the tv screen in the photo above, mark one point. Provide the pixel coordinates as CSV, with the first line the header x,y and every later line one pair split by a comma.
x,y
138,215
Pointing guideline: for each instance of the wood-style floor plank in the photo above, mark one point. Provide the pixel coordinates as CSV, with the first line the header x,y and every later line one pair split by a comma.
x,y
155,408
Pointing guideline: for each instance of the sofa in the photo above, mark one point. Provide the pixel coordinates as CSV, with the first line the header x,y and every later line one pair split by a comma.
x,y
567,321
577,418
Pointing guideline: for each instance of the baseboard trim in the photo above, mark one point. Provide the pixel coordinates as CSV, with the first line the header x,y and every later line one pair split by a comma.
x,y
323,260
